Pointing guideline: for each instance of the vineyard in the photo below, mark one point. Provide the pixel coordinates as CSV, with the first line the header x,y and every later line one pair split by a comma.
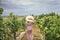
x,y
48,24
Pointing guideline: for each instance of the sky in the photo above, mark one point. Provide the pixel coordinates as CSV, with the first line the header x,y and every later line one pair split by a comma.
x,y
27,7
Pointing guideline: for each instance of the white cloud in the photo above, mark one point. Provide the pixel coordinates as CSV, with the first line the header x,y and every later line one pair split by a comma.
x,y
31,6
49,0
58,1
21,2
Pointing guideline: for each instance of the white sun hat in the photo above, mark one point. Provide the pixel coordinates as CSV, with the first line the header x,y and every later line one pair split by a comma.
x,y
30,18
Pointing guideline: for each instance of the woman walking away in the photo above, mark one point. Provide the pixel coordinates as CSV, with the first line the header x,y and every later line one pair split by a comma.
x,y
29,22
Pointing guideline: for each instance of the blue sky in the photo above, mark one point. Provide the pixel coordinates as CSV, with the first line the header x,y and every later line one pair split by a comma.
x,y
27,7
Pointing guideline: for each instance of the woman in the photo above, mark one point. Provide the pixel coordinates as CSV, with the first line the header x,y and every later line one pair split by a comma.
x,y
29,22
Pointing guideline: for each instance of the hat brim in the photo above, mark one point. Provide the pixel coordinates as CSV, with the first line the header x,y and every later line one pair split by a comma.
x,y
30,20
